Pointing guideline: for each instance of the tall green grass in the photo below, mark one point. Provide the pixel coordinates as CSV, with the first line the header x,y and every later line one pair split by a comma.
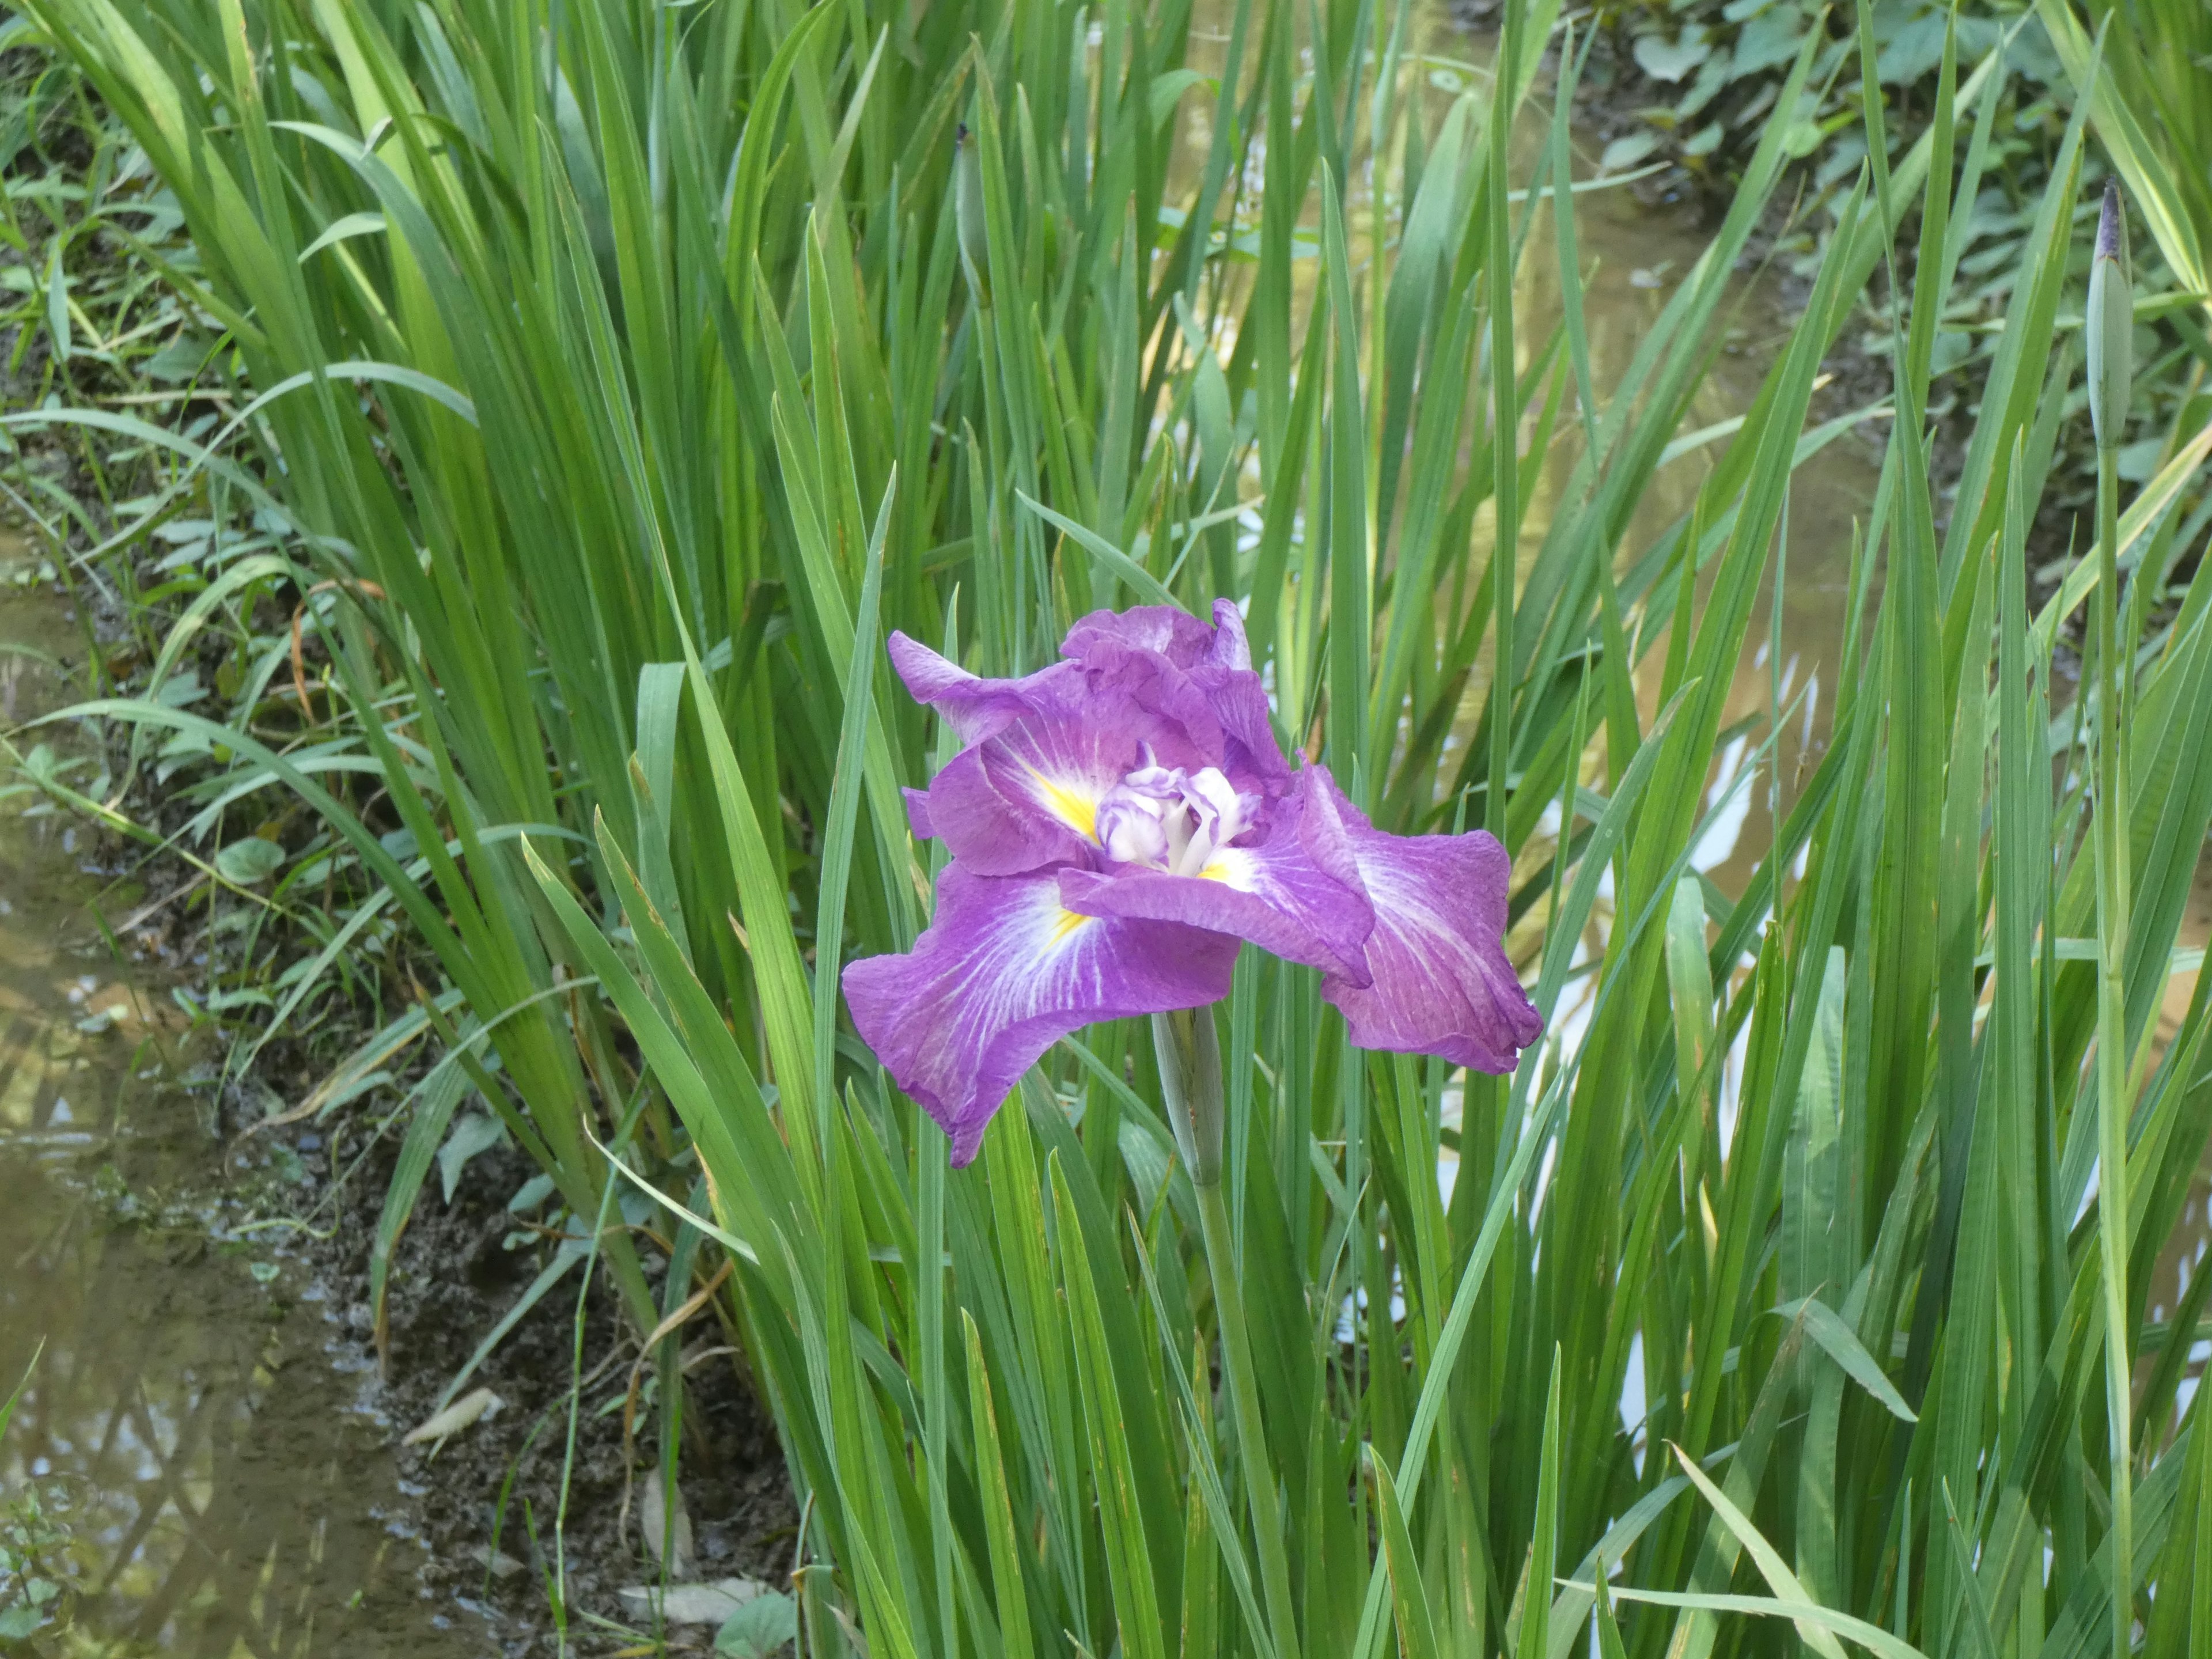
x,y
2145,71
2144,66
622,372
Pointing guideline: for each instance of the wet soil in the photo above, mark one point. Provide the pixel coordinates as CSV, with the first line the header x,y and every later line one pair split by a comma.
x,y
192,1468
454,1277
209,1411
209,1460
192,1471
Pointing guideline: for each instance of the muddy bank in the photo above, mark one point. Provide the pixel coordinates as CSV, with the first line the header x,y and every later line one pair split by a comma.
x,y
457,1272
200,1280
194,1466
192,1470
208,1454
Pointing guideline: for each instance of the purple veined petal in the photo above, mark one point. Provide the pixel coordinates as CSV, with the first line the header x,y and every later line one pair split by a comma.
x,y
1294,889
1222,709
1164,629
1239,703
1181,638
1029,794
1441,982
1229,648
974,706
1003,973
917,814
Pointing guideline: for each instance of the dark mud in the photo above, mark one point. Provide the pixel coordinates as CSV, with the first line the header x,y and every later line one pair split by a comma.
x,y
454,1278
195,1473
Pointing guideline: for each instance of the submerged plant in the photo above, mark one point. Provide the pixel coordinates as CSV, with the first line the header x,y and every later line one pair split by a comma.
x,y
1117,823
33,1542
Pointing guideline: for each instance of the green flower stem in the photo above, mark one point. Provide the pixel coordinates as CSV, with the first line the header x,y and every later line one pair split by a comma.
x,y
1244,1411
2112,888
1189,1054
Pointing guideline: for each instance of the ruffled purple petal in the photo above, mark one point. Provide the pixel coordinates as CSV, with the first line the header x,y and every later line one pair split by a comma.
x,y
1004,972
1166,629
974,707
1181,638
1200,681
1027,795
1293,888
1440,983
1239,703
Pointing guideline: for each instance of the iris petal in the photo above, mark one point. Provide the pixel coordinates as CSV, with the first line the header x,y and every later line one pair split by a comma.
x,y
1166,629
917,814
1229,648
1027,795
1174,633
1294,890
1440,981
1004,971
974,706
1198,679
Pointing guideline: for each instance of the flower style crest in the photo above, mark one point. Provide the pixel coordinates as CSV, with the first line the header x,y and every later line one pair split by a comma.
x,y
1118,822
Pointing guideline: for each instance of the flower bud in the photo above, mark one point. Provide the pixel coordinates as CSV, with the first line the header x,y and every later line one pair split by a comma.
x,y
2109,324
967,206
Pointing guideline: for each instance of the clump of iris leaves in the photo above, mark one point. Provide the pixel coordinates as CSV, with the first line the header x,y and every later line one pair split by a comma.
x,y
589,390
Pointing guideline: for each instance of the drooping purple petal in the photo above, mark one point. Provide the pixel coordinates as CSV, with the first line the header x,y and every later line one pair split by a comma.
x,y
1441,982
1004,972
1291,887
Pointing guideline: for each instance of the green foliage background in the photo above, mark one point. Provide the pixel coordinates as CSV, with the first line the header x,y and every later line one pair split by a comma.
x,y
604,379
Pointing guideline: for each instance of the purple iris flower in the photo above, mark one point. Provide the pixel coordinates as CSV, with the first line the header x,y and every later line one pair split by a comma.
x,y
1118,822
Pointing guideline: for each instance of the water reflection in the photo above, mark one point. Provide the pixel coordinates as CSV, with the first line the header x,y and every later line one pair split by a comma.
x,y
188,1472
1632,258
206,1485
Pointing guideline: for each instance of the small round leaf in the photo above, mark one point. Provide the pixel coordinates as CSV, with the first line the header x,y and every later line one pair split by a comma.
x,y
249,861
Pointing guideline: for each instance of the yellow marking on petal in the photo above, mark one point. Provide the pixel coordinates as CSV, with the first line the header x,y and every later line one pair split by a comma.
x,y
1078,811
1230,865
1069,921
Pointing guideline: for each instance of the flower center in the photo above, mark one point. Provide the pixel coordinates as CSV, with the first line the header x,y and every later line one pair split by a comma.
x,y
1165,818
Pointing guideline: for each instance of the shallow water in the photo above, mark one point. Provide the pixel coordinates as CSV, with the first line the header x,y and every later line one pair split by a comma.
x,y
193,1454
